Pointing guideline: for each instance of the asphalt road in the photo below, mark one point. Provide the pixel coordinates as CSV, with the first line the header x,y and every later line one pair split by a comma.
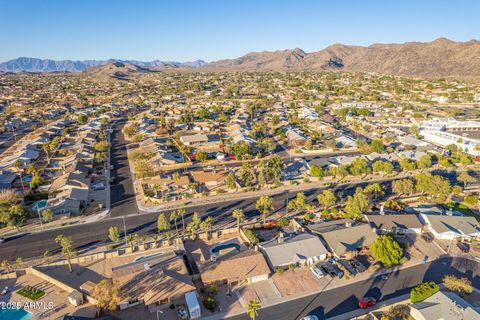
x,y
86,236
122,194
340,300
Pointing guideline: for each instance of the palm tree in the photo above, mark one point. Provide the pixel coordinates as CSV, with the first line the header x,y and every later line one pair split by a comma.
x,y
240,216
181,214
143,239
130,238
5,265
264,205
174,217
155,239
206,225
67,249
252,308
18,165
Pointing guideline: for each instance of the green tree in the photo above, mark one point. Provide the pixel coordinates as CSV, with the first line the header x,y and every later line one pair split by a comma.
x,y
424,162
356,205
162,223
130,239
36,181
201,156
247,174
181,214
206,225
300,202
68,251
274,169
18,165
466,178
327,198
47,215
316,171
265,205
376,190
377,146
240,216
359,166
173,218
101,146
387,250
407,165
401,187
113,234
252,309
231,181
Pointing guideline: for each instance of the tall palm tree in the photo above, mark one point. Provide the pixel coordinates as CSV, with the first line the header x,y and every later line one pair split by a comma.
x,y
130,239
155,239
174,217
181,214
240,216
252,309
68,250
18,165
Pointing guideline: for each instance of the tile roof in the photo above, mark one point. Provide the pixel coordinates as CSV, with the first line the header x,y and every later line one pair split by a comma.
x,y
243,265
390,221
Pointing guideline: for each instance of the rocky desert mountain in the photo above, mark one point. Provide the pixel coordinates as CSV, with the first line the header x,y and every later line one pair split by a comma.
x,y
439,58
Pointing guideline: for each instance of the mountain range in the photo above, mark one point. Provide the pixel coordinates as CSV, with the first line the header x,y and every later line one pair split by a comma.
x,y
439,58
47,65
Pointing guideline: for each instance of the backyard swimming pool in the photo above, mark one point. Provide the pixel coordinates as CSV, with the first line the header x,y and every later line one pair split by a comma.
x,y
216,250
39,205
15,314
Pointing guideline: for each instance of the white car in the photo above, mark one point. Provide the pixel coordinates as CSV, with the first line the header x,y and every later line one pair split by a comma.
x,y
310,317
317,272
2,240
98,186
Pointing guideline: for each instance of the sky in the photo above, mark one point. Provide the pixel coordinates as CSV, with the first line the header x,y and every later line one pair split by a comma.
x,y
179,30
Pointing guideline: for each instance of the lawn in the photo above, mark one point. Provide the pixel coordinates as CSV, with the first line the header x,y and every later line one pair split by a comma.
x,y
31,293
460,207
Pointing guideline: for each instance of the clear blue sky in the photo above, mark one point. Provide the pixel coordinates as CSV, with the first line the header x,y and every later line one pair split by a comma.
x,y
214,29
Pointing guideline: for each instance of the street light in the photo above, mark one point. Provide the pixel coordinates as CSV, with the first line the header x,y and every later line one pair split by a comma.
x,y
450,245
124,230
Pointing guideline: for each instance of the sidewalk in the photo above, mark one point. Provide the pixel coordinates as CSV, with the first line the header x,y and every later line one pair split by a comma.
x,y
335,283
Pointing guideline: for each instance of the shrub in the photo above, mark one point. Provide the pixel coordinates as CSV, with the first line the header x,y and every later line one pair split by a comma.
x,y
291,267
423,291
459,285
283,222
279,270
251,236
387,250
471,200
209,303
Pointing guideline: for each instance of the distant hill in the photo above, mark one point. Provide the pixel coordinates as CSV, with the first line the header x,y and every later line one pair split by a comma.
x,y
48,65
116,70
439,58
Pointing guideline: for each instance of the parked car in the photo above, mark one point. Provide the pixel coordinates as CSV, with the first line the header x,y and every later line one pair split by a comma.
x,y
2,240
357,265
366,302
310,317
347,266
99,186
317,272
427,236
464,247
333,271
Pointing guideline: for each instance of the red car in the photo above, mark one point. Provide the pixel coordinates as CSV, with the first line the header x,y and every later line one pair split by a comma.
x,y
366,302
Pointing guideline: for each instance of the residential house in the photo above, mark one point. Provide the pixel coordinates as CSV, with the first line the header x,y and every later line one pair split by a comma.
x,y
201,140
6,179
296,249
395,223
157,281
247,266
209,180
444,305
344,237
450,227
